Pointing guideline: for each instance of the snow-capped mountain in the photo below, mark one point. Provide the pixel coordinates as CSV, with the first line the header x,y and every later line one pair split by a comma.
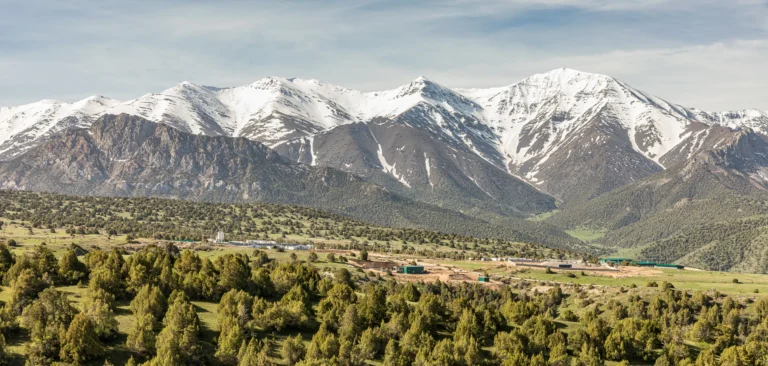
x,y
25,126
572,134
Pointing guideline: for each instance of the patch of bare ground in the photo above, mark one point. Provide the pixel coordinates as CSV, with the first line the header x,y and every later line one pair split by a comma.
x,y
629,271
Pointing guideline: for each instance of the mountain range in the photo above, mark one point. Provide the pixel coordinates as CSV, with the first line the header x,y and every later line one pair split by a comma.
x,y
610,156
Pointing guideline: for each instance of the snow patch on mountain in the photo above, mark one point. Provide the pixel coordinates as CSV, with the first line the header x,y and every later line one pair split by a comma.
x,y
520,125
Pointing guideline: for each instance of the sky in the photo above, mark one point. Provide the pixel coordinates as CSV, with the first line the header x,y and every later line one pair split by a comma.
x,y
707,54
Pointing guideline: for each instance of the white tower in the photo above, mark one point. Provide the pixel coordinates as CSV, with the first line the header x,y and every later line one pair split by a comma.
x,y
220,237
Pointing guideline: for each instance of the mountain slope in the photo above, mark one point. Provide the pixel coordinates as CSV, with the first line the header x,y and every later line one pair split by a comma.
x,y
553,125
548,129
129,156
433,150
718,180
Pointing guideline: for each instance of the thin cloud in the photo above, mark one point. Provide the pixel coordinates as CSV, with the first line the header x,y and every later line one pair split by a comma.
x,y
125,49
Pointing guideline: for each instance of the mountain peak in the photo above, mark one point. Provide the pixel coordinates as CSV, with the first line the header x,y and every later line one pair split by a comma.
x,y
425,87
184,85
565,75
273,82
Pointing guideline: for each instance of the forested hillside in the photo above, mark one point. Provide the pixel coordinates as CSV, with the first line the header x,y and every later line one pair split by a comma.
x,y
179,220
129,156
685,213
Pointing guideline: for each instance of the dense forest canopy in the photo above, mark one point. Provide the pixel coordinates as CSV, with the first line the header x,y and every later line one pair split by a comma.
x,y
296,313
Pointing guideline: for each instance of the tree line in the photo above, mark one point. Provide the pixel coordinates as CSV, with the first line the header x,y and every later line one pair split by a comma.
x,y
300,314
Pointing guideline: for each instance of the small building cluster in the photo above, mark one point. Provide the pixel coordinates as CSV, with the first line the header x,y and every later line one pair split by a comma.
x,y
631,262
261,244
378,265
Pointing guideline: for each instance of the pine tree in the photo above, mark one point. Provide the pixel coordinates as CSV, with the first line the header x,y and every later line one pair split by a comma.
x,y
231,338
589,356
3,354
149,300
370,343
102,317
169,350
252,353
6,259
47,319
349,327
392,355
234,273
373,308
177,343
141,337
467,326
81,343
324,344
293,350
71,270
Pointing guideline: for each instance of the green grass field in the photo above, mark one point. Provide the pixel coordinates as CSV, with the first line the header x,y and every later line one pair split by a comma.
x,y
543,216
587,235
681,279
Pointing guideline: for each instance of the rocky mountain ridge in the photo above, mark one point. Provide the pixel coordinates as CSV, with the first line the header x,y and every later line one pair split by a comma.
x,y
543,129
126,155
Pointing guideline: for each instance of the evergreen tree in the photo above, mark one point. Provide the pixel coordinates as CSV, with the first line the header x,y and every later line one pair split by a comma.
x,y
102,317
6,260
234,273
324,344
231,337
293,350
71,270
370,344
149,300
4,359
47,319
81,343
25,288
350,325
141,337
253,353
392,355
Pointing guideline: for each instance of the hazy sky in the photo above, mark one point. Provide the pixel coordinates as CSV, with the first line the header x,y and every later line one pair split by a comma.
x,y
700,53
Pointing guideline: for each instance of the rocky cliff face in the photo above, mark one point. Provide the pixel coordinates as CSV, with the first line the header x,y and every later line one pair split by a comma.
x,y
571,134
126,155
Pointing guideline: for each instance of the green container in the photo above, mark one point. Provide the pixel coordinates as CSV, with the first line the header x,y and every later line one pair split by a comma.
x,y
413,269
483,279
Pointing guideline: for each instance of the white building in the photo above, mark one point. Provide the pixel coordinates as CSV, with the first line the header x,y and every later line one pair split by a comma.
x,y
220,237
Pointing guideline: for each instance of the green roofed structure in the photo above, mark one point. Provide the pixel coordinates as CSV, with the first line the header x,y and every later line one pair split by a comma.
x,y
615,260
413,269
645,264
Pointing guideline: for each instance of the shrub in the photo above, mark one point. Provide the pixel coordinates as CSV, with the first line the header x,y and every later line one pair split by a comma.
x,y
569,316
